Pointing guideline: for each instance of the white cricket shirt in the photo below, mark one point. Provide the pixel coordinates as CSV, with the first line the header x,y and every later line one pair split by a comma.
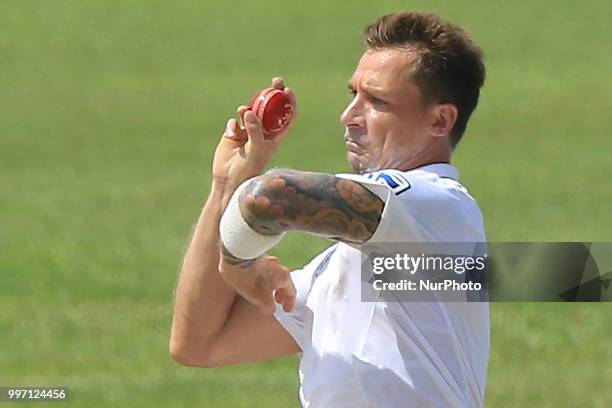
x,y
392,354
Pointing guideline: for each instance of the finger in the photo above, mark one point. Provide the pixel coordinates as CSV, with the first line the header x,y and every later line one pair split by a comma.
x,y
291,296
278,83
279,275
230,129
286,298
241,110
283,293
279,296
265,299
240,132
233,133
289,303
289,92
254,129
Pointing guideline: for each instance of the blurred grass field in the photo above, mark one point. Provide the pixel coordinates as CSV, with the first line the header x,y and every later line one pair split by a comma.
x,y
111,111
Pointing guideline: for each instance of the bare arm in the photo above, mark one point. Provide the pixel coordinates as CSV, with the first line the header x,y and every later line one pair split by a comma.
x,y
210,321
200,288
212,325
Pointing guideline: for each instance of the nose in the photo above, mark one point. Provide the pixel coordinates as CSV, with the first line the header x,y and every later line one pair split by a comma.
x,y
353,115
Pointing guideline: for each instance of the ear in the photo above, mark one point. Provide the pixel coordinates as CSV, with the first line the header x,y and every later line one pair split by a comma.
x,y
444,117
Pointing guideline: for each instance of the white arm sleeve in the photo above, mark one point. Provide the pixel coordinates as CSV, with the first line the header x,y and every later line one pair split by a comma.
x,y
396,222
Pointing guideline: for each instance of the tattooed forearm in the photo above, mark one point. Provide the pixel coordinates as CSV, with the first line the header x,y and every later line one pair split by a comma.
x,y
290,200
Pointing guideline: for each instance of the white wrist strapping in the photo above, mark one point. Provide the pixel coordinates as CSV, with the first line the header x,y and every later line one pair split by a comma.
x,y
238,237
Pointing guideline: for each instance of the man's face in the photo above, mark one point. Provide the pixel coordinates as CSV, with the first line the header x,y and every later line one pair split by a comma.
x,y
386,123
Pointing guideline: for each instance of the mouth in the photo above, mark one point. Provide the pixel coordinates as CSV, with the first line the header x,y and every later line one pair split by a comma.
x,y
352,144
353,147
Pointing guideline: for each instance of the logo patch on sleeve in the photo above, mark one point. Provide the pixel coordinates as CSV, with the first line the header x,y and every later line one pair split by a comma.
x,y
394,179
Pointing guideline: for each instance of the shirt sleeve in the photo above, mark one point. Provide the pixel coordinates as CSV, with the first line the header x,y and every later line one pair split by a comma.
x,y
393,187
298,322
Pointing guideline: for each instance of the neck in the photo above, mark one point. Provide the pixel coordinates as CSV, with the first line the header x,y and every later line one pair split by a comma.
x,y
432,153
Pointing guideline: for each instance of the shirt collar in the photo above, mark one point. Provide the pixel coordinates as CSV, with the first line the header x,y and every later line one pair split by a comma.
x,y
445,170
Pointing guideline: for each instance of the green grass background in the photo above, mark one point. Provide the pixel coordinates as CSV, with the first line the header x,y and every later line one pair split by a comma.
x,y
109,114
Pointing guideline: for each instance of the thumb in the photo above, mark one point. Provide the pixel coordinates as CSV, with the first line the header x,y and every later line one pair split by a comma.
x,y
254,129
233,135
278,273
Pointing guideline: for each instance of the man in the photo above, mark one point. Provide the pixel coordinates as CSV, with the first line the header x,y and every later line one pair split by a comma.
x,y
413,90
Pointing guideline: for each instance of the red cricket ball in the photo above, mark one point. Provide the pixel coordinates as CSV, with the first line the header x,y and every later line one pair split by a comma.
x,y
274,108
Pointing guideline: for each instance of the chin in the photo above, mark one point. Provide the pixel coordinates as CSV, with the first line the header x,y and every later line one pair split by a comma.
x,y
358,167
354,163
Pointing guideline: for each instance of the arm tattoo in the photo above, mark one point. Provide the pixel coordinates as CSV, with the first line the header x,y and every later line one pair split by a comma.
x,y
290,200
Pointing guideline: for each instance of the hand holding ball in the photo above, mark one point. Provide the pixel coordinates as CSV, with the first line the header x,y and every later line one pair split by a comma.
x,y
275,109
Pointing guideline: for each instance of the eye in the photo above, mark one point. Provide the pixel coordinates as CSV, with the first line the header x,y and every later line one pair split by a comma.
x,y
376,101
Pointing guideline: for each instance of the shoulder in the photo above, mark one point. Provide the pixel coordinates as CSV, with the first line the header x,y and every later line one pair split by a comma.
x,y
436,182
427,203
